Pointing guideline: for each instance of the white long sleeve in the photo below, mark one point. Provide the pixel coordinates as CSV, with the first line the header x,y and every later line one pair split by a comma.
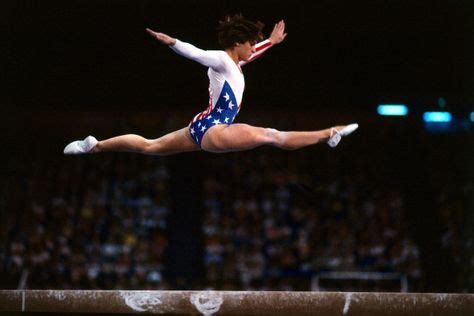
x,y
208,58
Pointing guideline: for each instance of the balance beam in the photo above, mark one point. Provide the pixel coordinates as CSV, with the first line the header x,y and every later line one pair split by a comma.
x,y
90,302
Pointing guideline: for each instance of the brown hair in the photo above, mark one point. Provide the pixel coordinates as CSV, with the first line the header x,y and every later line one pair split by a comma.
x,y
237,29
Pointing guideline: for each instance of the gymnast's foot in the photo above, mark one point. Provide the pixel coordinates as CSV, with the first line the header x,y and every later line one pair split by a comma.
x,y
81,146
339,131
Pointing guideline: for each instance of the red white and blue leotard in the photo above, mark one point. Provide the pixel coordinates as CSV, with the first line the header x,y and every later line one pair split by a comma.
x,y
226,85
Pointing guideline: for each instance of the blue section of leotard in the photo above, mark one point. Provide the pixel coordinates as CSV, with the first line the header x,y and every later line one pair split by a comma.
x,y
224,112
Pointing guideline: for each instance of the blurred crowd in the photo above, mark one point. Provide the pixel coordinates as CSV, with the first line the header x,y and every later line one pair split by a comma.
x,y
271,220
277,221
456,233
91,223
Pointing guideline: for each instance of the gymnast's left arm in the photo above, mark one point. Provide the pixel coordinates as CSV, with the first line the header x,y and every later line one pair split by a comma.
x,y
276,37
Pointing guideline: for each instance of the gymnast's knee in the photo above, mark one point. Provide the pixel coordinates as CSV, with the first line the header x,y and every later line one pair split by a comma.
x,y
278,139
274,137
149,147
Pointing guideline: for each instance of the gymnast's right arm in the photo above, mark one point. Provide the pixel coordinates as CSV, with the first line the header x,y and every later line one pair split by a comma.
x,y
207,58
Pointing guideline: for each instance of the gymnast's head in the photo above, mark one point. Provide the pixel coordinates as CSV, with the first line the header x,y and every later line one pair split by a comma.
x,y
236,30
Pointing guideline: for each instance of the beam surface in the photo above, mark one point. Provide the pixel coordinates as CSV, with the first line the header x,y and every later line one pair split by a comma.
x,y
233,302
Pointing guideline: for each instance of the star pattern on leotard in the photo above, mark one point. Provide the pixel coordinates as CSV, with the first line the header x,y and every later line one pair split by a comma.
x,y
223,112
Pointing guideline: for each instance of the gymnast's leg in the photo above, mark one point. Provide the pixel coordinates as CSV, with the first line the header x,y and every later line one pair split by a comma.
x,y
236,137
172,143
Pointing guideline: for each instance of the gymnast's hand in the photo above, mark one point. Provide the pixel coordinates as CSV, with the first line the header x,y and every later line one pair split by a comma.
x,y
278,33
161,37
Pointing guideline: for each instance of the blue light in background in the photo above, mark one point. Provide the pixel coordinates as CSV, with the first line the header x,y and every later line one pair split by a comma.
x,y
437,117
392,109
472,116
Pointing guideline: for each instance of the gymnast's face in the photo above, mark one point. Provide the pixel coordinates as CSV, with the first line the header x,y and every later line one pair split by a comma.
x,y
245,50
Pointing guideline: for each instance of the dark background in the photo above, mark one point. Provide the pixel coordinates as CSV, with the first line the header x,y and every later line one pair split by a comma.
x,y
69,68
338,53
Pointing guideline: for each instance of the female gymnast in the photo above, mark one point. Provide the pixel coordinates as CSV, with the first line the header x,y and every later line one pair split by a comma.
x,y
212,129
